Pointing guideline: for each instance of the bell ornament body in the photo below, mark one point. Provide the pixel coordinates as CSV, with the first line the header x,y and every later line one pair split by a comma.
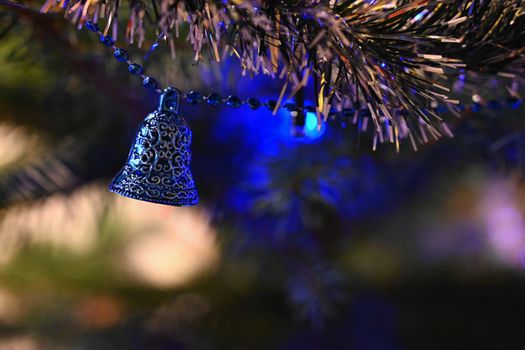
x,y
158,166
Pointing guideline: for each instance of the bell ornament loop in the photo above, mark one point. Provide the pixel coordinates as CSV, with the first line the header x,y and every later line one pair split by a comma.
x,y
170,100
158,166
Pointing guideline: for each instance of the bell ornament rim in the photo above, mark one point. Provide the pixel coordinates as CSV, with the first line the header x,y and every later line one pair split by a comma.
x,y
177,203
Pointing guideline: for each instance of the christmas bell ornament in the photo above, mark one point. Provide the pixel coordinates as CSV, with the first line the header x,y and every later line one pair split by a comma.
x,y
158,165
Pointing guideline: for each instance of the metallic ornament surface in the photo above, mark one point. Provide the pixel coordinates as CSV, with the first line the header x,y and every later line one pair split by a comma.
x,y
158,165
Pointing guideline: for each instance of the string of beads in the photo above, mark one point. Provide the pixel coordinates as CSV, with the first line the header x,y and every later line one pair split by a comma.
x,y
213,99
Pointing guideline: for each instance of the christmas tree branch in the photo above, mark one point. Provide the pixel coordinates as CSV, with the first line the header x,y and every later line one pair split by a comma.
x,y
45,29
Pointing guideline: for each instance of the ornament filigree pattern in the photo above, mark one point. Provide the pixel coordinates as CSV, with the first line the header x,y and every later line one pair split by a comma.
x,y
158,165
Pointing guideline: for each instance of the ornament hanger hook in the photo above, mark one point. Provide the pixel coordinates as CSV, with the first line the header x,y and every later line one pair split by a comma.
x,y
170,100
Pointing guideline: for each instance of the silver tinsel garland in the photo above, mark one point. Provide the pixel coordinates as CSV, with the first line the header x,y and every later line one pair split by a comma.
x,y
391,58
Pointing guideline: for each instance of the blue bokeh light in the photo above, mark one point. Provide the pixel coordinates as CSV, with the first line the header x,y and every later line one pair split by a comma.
x,y
311,129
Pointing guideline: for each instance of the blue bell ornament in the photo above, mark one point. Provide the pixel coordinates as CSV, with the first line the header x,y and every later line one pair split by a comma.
x,y
158,165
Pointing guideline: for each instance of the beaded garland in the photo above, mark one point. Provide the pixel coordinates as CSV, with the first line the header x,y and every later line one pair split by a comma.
x,y
344,116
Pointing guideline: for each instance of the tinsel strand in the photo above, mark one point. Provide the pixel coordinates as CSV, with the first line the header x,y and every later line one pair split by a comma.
x,y
393,58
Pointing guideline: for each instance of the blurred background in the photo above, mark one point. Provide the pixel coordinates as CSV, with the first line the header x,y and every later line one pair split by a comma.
x,y
298,243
